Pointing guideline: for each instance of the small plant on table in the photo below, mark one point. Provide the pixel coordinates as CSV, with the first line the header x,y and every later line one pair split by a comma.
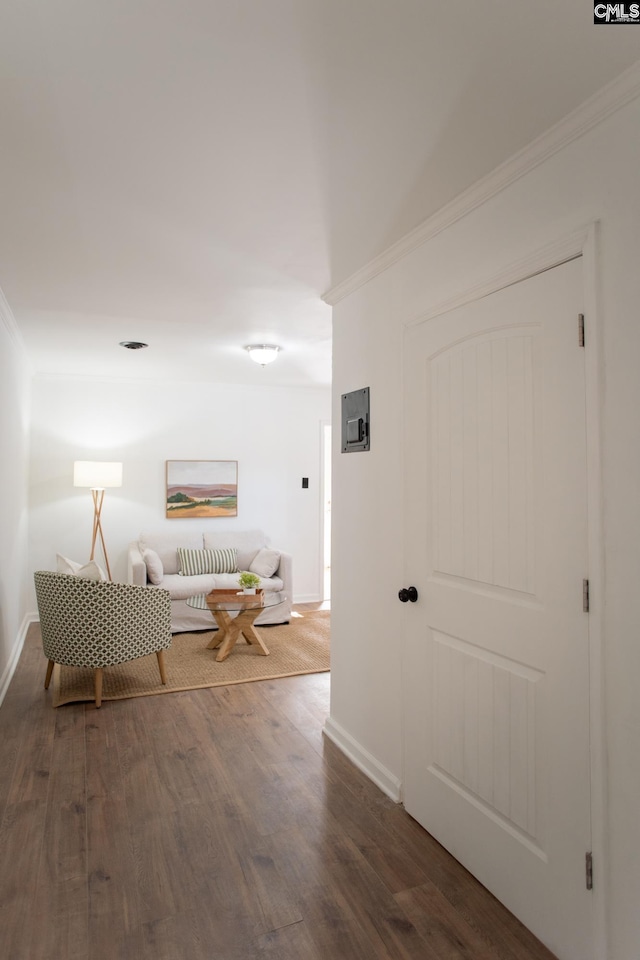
x,y
248,581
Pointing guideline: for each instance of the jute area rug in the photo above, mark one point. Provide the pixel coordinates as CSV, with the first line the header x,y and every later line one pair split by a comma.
x,y
302,646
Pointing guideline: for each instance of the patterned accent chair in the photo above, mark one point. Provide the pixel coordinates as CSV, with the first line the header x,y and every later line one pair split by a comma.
x,y
88,623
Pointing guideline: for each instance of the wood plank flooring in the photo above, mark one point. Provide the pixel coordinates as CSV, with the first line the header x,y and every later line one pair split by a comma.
x,y
217,825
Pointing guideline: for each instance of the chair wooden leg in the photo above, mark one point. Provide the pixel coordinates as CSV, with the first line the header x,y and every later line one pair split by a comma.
x,y
160,656
47,679
98,687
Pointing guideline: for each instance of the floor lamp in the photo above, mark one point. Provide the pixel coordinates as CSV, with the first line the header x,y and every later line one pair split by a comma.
x,y
97,474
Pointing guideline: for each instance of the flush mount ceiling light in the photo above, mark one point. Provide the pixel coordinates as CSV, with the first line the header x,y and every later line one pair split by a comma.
x,y
263,353
133,344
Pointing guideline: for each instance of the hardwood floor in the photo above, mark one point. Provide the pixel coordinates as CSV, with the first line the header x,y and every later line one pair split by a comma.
x,y
217,825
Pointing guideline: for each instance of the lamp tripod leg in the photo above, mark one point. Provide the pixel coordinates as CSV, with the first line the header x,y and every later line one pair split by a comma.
x,y
98,497
104,550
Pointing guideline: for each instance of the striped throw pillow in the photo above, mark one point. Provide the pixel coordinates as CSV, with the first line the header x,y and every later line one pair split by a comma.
x,y
193,562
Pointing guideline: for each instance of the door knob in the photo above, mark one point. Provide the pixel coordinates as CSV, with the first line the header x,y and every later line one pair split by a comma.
x,y
408,593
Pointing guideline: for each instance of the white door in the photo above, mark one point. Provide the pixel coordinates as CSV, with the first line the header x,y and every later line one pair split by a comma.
x,y
496,666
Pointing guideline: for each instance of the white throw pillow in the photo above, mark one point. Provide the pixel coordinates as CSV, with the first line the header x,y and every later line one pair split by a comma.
x,y
265,563
155,571
63,565
89,571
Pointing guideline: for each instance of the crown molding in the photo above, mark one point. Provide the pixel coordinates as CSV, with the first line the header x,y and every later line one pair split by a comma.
x,y
161,380
9,323
593,111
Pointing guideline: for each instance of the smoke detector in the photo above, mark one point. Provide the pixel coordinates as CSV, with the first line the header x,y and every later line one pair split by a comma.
x,y
133,344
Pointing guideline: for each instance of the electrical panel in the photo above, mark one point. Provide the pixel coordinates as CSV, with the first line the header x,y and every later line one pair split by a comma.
x,y
355,421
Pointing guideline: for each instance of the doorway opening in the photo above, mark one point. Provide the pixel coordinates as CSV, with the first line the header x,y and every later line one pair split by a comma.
x,y
326,512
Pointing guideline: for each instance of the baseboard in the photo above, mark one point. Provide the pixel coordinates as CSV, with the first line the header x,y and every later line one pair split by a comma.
x,y
307,598
10,669
364,760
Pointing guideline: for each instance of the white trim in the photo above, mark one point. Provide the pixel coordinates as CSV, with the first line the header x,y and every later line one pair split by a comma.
x,y
10,669
544,258
594,366
364,760
160,381
593,111
306,598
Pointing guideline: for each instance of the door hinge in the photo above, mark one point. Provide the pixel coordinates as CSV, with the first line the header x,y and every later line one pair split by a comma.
x,y
585,596
581,329
589,870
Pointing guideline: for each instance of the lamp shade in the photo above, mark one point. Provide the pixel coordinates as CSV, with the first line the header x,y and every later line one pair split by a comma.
x,y
97,474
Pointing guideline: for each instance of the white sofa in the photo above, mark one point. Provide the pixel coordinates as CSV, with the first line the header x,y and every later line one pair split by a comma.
x,y
248,544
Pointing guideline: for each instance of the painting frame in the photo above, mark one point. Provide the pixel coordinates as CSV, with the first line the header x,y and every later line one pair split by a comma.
x,y
200,489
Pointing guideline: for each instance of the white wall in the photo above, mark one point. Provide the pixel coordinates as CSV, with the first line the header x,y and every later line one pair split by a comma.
x,y
595,177
274,434
14,432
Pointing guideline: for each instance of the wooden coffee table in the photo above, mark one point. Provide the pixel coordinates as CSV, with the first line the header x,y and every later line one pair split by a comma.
x,y
222,603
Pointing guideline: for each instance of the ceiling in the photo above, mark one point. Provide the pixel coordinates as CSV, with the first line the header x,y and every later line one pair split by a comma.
x,y
196,173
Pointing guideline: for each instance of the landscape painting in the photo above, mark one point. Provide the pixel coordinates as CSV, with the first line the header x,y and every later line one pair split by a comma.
x,y
202,488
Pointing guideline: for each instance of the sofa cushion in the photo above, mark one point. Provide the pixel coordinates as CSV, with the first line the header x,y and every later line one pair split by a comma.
x,y
229,581
265,563
64,565
180,588
166,545
90,570
153,563
246,542
193,562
